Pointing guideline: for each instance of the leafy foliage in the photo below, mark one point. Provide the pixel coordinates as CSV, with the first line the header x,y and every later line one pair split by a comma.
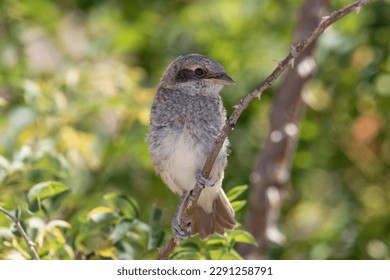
x,y
76,83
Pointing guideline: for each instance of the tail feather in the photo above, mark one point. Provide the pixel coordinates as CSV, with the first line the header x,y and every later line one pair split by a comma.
x,y
201,222
220,218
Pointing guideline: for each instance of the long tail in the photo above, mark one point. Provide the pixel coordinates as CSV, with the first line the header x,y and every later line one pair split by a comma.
x,y
220,218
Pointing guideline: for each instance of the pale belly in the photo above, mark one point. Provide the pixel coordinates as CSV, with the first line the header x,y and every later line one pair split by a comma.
x,y
184,159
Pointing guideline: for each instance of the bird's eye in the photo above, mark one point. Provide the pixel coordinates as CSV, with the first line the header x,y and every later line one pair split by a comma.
x,y
199,72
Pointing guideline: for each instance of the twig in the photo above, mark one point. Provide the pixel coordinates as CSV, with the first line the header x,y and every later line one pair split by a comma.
x,y
29,243
296,50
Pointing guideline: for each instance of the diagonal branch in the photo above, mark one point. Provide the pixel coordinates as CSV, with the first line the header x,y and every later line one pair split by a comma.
x,y
296,50
18,225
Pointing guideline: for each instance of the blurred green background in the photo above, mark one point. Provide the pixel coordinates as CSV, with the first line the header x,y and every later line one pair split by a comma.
x,y
77,79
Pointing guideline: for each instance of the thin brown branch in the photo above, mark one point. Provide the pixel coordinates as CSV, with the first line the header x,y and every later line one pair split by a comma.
x,y
18,225
296,50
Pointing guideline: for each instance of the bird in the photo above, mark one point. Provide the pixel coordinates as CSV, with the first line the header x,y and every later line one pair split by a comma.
x,y
186,117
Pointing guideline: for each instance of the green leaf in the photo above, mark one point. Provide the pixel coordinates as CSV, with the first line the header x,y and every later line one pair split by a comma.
x,y
156,234
236,191
58,223
45,190
187,255
224,254
101,214
155,217
215,241
190,252
238,205
128,206
121,229
189,244
242,236
35,205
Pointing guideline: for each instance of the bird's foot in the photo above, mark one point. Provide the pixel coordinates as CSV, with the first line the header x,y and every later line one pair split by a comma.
x,y
177,232
203,181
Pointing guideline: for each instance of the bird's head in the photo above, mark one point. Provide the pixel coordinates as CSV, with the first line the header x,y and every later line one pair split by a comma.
x,y
198,73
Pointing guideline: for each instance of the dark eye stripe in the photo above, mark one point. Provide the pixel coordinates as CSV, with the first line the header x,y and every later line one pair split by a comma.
x,y
186,75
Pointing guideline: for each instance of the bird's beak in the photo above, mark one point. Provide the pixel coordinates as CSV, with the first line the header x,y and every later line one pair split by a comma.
x,y
223,79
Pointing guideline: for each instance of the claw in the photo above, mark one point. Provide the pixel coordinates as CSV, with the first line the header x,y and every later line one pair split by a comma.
x,y
177,232
200,179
